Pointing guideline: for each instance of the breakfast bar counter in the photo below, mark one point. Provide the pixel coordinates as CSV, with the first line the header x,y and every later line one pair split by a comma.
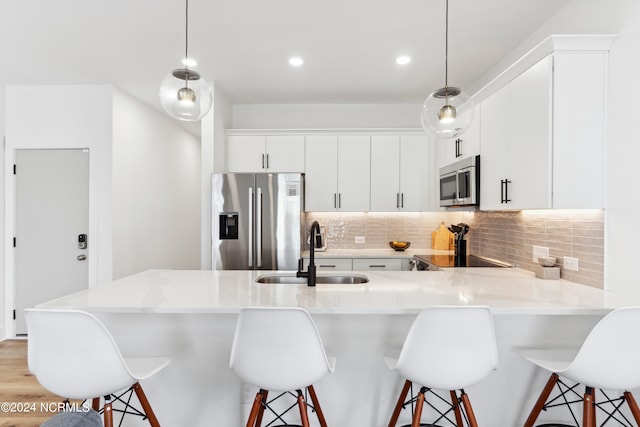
x,y
190,317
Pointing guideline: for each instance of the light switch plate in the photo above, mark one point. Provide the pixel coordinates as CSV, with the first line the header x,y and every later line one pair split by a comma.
x,y
539,251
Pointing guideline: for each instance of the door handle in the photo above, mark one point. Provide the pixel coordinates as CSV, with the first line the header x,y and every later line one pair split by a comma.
x,y
81,257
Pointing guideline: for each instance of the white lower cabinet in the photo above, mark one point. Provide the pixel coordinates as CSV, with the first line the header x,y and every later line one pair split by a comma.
x,y
377,264
330,264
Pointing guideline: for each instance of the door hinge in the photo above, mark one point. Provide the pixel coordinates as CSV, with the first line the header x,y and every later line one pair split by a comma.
x,y
14,169
14,242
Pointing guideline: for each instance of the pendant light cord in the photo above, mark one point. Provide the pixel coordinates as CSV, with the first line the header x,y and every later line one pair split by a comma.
x,y
446,46
186,37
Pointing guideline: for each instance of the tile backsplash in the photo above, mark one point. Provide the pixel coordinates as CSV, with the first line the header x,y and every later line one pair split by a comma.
x,y
505,235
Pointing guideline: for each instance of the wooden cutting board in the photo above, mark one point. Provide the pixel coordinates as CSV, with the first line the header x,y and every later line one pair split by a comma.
x,y
442,239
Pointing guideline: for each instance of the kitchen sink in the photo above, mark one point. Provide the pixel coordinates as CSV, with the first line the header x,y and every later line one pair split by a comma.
x,y
338,279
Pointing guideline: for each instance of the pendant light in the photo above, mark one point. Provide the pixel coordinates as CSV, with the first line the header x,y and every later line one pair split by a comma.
x,y
183,93
448,111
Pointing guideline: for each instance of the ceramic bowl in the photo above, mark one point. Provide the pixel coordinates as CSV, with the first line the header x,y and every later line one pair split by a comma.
x,y
399,246
547,261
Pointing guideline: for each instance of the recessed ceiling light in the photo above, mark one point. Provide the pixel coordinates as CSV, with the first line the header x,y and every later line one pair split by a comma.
x,y
296,61
403,60
189,62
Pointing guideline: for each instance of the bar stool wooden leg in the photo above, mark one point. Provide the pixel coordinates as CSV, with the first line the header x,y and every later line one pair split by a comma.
x,y
108,412
542,399
316,405
398,408
418,412
265,395
468,409
302,405
635,411
145,405
588,415
95,404
257,404
456,408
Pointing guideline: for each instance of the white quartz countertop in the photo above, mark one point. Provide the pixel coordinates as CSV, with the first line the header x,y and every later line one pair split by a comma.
x,y
505,290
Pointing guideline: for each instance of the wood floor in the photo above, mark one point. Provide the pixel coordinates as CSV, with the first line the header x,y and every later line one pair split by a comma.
x,y
22,399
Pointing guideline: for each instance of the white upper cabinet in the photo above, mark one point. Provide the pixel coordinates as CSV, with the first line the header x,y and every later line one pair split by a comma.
x,y
450,150
265,153
543,136
515,131
337,173
399,173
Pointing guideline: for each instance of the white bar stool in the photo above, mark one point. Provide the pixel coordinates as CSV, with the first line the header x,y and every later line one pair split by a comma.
x,y
447,348
609,359
73,355
279,349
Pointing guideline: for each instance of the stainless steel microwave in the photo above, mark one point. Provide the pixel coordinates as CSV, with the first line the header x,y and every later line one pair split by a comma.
x,y
460,183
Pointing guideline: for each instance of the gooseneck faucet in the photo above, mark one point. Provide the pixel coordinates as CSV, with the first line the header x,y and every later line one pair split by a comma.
x,y
310,274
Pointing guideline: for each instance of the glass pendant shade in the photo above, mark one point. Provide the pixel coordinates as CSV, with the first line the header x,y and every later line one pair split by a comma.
x,y
447,112
185,95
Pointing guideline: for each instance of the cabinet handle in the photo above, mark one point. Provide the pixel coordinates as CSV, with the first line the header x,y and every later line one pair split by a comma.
x,y
402,200
327,265
267,160
504,191
335,200
263,161
458,153
377,266
339,200
397,200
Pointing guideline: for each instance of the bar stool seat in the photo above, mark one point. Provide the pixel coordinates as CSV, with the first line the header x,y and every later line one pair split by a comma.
x,y
447,348
279,349
607,360
73,355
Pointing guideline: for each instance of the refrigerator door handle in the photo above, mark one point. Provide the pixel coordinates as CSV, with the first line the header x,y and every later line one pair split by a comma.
x,y
259,228
251,198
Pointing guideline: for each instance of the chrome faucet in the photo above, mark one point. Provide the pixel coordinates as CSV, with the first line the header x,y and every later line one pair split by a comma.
x,y
310,274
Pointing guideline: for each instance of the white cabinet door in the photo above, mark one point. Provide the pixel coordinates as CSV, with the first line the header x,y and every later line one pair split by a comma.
x,y
385,173
321,178
529,142
516,143
377,264
245,153
494,158
414,173
354,173
284,153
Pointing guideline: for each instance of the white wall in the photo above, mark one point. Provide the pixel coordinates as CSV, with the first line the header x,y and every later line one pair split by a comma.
x,y
62,117
156,190
213,159
319,116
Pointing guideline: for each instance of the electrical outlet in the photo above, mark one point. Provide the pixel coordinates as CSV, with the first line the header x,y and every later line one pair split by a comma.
x,y
570,264
539,251
359,240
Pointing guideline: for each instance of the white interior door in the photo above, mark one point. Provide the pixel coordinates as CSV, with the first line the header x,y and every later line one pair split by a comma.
x,y
51,215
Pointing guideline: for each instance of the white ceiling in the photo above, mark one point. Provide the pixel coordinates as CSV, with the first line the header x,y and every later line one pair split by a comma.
x,y
349,46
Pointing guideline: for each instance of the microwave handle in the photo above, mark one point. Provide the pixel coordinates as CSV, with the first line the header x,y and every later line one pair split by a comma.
x,y
458,185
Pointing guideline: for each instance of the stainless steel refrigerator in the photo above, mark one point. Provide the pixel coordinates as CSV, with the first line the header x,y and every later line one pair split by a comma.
x,y
257,221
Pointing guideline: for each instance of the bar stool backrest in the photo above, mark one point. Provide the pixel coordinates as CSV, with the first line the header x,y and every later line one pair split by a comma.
x,y
278,348
449,348
73,355
609,358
